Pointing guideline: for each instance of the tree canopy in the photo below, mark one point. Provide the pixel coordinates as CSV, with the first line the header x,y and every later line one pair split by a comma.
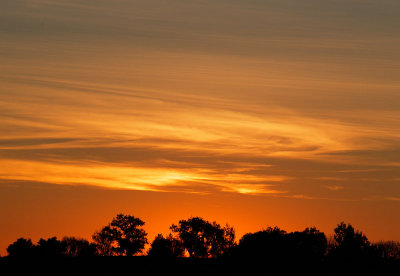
x,y
167,247
124,235
77,247
52,247
21,248
351,245
275,244
202,238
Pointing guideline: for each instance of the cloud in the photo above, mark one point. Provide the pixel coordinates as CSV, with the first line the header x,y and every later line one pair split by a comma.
x,y
131,177
185,97
334,187
300,196
32,142
331,178
393,198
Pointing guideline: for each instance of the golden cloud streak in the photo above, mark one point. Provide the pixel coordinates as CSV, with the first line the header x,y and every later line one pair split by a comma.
x,y
130,177
127,118
275,133
99,175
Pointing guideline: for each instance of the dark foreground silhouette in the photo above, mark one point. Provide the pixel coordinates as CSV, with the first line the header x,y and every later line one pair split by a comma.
x,y
199,247
144,265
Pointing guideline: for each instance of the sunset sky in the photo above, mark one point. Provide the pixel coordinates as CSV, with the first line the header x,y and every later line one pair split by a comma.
x,y
254,113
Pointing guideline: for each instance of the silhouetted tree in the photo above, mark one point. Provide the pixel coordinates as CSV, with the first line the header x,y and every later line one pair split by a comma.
x,y
50,247
269,244
350,245
123,236
309,245
76,247
347,236
21,248
168,247
203,239
104,241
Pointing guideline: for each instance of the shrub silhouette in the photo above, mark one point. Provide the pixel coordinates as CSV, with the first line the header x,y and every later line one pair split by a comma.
x,y
203,239
123,236
168,247
388,250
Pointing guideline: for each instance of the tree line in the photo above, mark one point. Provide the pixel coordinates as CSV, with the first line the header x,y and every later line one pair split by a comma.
x,y
198,238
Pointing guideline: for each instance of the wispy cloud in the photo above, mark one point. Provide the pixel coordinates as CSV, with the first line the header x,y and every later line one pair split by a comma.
x,y
393,198
140,177
334,187
186,97
331,178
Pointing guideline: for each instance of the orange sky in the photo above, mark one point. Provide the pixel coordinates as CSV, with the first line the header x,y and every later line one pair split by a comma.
x,y
254,113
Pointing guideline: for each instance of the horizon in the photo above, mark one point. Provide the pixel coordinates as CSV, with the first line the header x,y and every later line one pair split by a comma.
x,y
253,113
329,237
